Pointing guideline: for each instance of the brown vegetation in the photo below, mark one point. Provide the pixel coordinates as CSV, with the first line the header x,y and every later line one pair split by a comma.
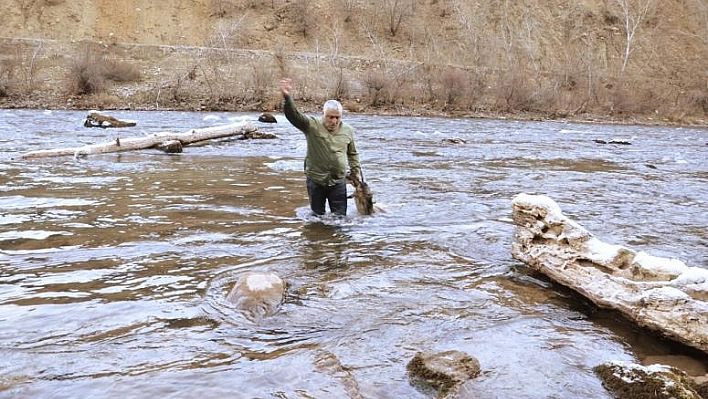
x,y
90,73
601,59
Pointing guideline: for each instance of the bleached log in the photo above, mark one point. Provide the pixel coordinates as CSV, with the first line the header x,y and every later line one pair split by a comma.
x,y
150,141
661,294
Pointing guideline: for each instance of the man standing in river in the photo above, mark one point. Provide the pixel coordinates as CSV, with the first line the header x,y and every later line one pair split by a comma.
x,y
330,147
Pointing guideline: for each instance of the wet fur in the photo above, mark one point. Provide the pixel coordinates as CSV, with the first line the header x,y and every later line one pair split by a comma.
x,y
363,198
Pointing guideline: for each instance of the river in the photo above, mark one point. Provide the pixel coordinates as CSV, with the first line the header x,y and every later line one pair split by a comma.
x,y
114,268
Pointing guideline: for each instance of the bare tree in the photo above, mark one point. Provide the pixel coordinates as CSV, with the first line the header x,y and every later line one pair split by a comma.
x,y
375,82
26,8
261,82
348,7
233,33
470,19
633,13
369,27
454,86
335,40
396,11
305,21
702,13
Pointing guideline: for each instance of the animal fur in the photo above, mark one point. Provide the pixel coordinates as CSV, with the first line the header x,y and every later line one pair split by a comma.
x,y
363,198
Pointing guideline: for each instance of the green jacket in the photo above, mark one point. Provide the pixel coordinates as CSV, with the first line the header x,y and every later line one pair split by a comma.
x,y
327,153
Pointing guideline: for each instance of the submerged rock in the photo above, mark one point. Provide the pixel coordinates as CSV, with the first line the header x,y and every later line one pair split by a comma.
x,y
662,294
328,363
632,381
257,295
455,140
442,372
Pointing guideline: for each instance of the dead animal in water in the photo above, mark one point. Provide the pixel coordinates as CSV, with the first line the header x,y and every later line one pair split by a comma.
x,y
363,198
96,119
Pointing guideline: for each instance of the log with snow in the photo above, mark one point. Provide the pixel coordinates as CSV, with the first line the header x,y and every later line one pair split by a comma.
x,y
661,294
162,140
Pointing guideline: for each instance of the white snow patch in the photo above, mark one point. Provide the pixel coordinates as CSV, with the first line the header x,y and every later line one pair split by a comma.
x,y
673,267
260,282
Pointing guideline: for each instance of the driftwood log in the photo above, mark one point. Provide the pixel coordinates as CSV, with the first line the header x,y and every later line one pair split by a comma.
x,y
661,294
162,140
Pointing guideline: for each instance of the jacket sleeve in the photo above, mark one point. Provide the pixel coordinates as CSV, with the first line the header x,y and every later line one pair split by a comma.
x,y
300,121
353,158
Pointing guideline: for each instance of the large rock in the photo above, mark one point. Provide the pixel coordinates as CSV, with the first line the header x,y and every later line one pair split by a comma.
x,y
629,380
442,372
267,117
662,294
257,295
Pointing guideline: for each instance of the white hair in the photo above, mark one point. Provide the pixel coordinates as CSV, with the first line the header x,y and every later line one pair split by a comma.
x,y
334,105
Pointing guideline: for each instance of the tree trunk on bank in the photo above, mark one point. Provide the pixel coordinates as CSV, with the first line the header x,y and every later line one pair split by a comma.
x,y
155,140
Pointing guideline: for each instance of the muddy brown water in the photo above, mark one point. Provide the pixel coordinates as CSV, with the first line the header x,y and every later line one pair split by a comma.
x,y
114,268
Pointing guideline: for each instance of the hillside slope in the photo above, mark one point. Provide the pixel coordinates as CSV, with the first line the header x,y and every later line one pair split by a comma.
x,y
615,58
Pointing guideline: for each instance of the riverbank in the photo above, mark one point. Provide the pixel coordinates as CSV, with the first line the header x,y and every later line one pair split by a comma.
x,y
311,107
52,74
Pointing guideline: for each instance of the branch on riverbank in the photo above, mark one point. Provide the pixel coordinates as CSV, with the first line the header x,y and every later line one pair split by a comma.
x,y
166,141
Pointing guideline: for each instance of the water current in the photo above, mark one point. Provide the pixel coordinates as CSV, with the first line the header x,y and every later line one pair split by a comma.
x,y
114,268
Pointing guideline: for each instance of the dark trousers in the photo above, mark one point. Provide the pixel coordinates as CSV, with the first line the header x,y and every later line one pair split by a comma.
x,y
336,196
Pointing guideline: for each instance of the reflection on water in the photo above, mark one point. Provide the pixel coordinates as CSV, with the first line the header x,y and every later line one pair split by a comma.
x,y
114,269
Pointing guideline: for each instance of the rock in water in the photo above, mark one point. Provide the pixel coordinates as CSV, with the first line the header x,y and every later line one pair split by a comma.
x,y
328,362
258,295
443,372
267,118
628,380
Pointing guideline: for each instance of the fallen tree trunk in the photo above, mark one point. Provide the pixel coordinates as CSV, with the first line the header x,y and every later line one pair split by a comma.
x,y
661,294
154,140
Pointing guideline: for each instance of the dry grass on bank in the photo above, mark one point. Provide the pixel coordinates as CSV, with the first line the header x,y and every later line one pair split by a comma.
x,y
92,72
447,57
214,79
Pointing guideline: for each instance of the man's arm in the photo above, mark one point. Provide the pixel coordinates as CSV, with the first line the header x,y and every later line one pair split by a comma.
x,y
353,159
300,121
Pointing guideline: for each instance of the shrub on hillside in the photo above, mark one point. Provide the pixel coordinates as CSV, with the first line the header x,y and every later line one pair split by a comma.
x,y
119,71
7,77
89,74
698,97
455,86
4,84
85,77
375,82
